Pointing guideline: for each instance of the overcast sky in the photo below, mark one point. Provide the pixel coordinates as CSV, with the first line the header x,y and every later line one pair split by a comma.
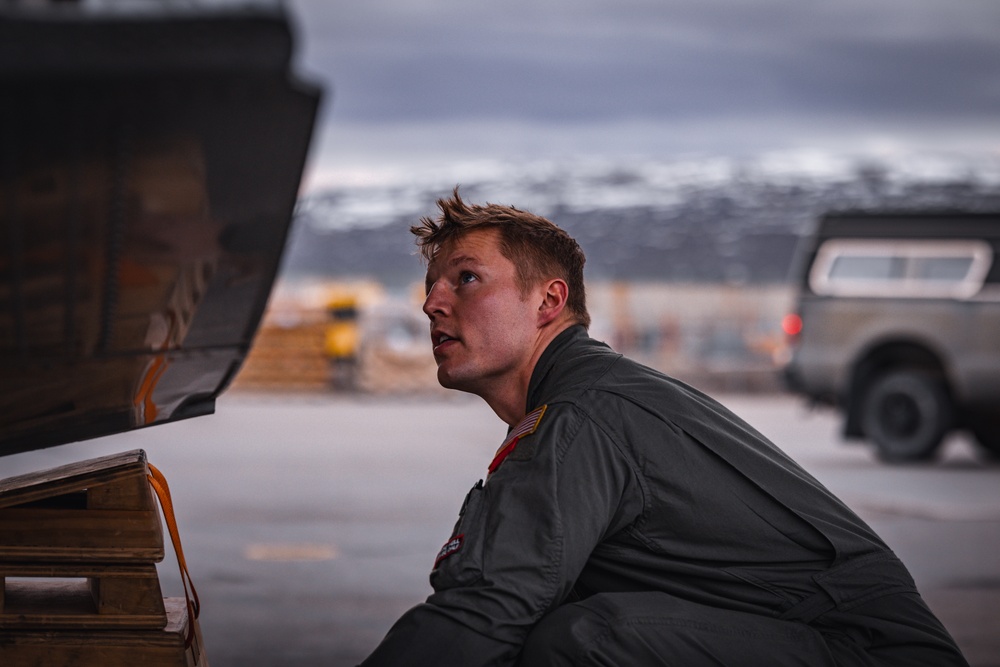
x,y
523,79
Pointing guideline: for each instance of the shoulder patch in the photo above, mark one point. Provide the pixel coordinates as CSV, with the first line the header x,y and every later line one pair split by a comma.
x,y
525,427
450,547
528,425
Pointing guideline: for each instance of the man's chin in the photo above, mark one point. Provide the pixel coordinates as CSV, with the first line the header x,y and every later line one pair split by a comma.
x,y
452,381
446,380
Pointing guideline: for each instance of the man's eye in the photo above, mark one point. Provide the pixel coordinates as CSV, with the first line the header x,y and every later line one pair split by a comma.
x,y
466,277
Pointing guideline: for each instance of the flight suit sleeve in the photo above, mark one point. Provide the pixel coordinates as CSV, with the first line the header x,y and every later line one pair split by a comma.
x,y
520,543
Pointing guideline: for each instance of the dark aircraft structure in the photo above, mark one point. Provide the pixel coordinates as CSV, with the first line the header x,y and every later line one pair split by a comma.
x,y
150,160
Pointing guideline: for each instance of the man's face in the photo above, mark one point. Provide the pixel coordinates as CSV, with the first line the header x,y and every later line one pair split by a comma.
x,y
482,328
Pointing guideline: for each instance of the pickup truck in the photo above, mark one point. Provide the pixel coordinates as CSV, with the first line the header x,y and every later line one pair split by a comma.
x,y
897,324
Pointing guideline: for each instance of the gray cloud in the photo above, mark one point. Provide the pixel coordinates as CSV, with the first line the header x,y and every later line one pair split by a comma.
x,y
878,62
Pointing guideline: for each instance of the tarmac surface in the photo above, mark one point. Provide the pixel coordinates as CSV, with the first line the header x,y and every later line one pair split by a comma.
x,y
310,523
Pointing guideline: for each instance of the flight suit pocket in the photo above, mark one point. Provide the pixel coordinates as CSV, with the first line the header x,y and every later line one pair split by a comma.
x,y
764,593
459,562
865,578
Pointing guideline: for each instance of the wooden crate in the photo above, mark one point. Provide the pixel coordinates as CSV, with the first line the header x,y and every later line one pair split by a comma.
x,y
108,648
78,582
80,596
96,511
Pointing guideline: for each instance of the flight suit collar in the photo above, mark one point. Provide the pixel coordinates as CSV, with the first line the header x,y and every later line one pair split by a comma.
x,y
542,378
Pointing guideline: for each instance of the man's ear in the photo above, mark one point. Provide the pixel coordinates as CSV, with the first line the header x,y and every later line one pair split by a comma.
x,y
553,302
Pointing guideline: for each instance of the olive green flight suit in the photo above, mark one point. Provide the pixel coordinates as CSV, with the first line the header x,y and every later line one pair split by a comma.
x,y
632,520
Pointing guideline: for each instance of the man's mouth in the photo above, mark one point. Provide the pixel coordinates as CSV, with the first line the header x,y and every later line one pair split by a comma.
x,y
439,338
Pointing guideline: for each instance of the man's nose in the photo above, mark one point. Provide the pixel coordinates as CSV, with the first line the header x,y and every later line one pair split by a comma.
x,y
435,301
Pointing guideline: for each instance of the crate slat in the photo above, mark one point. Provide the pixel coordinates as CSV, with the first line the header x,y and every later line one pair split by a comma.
x,y
108,648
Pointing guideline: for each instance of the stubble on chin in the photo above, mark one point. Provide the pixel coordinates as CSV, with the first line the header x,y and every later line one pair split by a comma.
x,y
455,381
445,379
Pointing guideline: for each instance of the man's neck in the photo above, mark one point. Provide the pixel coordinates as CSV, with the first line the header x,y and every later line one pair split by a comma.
x,y
509,396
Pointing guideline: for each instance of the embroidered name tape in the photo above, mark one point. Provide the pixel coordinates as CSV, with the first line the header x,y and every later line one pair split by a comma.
x,y
451,546
526,426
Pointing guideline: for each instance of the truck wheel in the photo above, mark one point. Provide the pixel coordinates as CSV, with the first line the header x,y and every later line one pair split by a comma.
x,y
906,415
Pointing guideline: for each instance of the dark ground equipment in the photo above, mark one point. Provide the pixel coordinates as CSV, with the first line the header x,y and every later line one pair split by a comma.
x,y
150,159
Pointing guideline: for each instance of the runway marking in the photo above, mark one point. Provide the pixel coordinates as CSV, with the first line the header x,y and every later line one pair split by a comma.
x,y
285,553
929,512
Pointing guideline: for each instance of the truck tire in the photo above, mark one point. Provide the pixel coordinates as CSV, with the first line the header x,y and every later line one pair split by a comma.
x,y
906,415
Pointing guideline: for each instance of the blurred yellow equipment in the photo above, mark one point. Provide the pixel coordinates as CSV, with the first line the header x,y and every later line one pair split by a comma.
x,y
342,340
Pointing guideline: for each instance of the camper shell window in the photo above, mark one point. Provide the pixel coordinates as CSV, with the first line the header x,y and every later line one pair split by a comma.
x,y
893,268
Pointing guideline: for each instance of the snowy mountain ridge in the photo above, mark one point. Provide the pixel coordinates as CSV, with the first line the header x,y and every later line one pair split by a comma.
x,y
372,197
711,219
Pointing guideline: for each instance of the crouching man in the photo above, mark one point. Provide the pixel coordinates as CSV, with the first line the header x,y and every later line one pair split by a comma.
x,y
627,519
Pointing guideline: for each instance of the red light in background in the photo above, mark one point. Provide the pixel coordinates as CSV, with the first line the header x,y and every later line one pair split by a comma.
x,y
791,324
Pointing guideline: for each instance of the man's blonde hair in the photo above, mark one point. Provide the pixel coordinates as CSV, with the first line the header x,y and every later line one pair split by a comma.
x,y
538,248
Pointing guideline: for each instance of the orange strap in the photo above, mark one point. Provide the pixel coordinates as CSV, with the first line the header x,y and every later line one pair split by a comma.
x,y
159,484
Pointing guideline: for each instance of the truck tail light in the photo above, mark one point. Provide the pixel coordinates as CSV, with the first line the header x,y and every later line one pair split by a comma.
x,y
791,324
